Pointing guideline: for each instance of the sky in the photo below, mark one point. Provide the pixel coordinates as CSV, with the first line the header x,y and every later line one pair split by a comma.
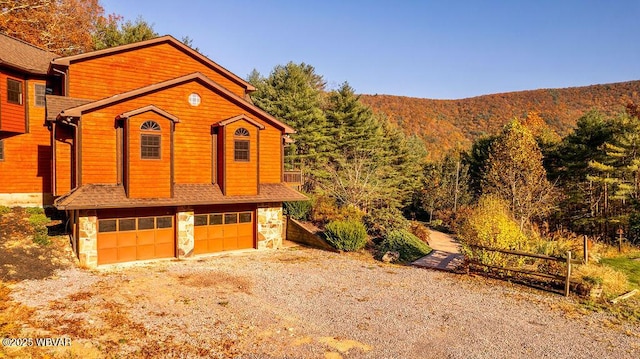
x,y
431,49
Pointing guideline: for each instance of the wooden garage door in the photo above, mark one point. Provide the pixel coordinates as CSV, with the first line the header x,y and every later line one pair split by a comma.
x,y
217,232
130,239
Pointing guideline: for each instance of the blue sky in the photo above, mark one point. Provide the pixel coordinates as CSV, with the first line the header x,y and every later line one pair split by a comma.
x,y
432,49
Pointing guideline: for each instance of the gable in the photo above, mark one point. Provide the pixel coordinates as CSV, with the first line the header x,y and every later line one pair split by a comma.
x,y
103,73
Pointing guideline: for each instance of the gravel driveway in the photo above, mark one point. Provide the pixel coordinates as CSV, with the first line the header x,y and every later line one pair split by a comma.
x,y
305,303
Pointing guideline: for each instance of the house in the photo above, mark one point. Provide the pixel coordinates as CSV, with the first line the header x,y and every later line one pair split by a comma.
x,y
156,151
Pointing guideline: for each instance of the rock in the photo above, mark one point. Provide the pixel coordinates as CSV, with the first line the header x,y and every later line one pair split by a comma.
x,y
390,257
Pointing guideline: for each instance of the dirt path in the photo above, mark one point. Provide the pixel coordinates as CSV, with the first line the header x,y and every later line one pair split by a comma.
x,y
306,303
445,255
443,242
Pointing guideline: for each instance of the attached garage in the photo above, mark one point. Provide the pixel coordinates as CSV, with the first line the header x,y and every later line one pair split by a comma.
x,y
135,238
217,232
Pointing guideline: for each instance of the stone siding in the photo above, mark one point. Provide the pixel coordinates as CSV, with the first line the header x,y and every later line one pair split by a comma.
x,y
88,240
270,227
185,233
26,199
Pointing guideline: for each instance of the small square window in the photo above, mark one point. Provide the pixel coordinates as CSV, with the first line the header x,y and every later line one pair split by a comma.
x,y
106,225
215,219
128,224
164,222
230,218
241,151
146,223
244,217
150,147
40,91
14,91
200,220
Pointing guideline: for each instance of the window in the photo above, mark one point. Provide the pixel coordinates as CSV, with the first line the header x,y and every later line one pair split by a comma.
x,y
1,150
194,99
106,225
200,220
150,144
230,218
150,126
40,91
244,217
146,223
215,219
127,224
241,132
164,222
14,91
241,151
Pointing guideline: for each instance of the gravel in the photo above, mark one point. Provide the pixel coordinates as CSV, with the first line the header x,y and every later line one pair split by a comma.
x,y
305,303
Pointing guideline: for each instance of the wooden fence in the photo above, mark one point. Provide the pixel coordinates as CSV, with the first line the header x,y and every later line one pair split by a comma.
x,y
565,277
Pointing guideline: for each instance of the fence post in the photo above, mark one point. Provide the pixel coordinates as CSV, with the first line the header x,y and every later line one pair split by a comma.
x,y
566,285
586,250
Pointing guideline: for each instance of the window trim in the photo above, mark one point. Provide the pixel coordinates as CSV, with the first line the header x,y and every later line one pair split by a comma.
x,y
11,91
145,155
41,96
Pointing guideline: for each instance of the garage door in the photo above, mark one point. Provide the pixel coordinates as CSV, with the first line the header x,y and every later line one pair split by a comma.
x,y
130,239
217,232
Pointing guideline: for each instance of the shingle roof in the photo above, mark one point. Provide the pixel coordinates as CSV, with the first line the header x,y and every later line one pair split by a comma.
x,y
57,104
24,56
100,196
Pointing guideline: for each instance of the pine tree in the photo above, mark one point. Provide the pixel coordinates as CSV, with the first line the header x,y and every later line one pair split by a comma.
x,y
293,93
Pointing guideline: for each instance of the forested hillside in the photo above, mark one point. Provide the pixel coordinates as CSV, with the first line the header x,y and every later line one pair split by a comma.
x,y
445,124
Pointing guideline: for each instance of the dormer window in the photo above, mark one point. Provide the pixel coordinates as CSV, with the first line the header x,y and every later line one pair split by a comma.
x,y
14,91
241,145
150,141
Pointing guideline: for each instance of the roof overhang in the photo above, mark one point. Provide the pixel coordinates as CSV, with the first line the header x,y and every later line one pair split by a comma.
x,y
238,118
150,108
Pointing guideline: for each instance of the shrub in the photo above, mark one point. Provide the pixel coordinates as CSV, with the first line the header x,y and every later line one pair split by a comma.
x,y
346,235
419,230
613,282
406,244
298,210
4,210
491,225
34,210
38,222
381,221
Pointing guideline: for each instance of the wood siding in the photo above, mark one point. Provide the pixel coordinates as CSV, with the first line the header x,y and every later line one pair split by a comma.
x,y
241,177
148,178
26,167
12,116
63,159
100,77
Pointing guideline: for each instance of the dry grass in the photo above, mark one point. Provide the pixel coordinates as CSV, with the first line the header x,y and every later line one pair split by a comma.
x,y
222,282
613,282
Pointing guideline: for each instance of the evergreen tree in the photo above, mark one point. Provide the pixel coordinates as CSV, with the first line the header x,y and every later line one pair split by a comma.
x,y
112,32
293,93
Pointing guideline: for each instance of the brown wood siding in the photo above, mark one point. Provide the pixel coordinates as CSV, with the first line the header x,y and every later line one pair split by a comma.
x,y
270,155
98,148
192,140
241,178
12,116
63,159
105,76
27,164
149,178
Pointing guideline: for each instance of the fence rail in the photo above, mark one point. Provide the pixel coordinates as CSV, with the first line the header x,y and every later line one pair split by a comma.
x,y
293,177
568,260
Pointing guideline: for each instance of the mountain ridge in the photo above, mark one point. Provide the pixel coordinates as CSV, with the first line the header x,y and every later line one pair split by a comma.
x,y
454,124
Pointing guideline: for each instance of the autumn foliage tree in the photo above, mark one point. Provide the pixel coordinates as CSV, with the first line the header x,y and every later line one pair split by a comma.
x,y
515,173
64,27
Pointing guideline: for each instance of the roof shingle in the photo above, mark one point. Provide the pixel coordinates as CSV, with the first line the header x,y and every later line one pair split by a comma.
x,y
24,56
57,104
101,196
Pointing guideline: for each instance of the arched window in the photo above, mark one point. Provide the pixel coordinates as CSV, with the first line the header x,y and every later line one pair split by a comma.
x,y
150,143
150,126
242,132
241,147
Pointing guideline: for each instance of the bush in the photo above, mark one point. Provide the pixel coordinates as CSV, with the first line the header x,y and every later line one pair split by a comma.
x,y
402,241
613,282
4,210
381,221
491,225
419,230
38,222
346,235
34,210
298,210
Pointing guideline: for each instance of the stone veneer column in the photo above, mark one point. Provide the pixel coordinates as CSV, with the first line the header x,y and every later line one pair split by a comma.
x,y
88,239
270,227
185,233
